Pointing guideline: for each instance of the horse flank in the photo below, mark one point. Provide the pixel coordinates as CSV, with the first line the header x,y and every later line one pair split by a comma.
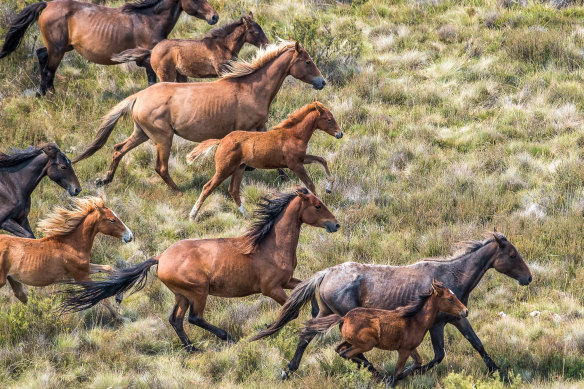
x,y
240,67
63,221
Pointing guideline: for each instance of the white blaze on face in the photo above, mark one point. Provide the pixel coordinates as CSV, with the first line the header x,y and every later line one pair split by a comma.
x,y
127,236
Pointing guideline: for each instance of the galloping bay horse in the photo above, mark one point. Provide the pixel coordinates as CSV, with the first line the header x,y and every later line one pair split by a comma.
x,y
65,252
97,32
176,59
351,285
400,329
20,173
283,146
240,100
261,261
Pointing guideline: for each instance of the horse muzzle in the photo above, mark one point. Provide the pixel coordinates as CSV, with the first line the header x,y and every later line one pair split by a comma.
x,y
73,190
463,313
332,226
318,83
213,19
339,135
128,236
524,281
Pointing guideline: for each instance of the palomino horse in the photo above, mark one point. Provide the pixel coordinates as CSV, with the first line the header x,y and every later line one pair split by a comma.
x,y
64,253
351,285
401,329
20,173
206,110
261,261
283,146
98,32
176,59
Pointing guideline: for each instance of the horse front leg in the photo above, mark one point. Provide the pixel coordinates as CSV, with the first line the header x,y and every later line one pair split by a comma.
x,y
466,330
330,178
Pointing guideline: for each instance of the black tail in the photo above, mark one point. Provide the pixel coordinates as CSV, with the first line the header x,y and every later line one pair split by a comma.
x,y
19,26
84,295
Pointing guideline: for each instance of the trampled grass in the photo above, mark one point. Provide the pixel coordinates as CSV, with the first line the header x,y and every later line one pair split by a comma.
x,y
458,118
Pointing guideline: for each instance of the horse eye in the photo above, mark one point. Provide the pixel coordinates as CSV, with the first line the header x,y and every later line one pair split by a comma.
x,y
112,220
317,206
308,62
451,299
63,167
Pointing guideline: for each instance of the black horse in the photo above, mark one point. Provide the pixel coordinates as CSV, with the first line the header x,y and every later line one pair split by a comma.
x,y
351,285
20,173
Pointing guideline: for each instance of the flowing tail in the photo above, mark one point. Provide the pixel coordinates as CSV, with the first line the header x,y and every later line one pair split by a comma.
x,y
303,293
139,55
319,325
84,295
107,126
19,25
204,149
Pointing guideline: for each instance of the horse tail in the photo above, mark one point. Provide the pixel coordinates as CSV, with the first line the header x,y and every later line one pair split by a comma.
x,y
19,25
138,54
319,325
204,149
303,293
107,126
84,295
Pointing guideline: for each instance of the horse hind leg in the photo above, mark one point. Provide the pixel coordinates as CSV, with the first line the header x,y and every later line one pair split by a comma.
x,y
208,188
18,290
43,56
161,165
234,187
196,318
176,321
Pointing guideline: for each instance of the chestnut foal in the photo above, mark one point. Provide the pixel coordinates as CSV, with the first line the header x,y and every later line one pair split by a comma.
x,y
64,253
284,146
261,261
401,329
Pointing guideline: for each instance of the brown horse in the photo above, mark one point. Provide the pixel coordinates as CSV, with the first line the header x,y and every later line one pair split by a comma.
x,y
351,285
284,146
176,59
401,329
64,253
261,261
240,100
97,32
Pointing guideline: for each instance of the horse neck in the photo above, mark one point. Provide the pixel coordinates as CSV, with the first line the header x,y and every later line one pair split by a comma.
x,y
282,240
266,82
306,127
472,267
167,15
235,40
427,315
82,237
32,172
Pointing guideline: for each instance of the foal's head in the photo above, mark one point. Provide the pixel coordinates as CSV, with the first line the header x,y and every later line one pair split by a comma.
x,y
60,170
254,34
303,68
108,223
447,301
508,261
200,9
313,212
326,121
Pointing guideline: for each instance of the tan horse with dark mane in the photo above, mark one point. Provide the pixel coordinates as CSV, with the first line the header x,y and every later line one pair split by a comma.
x,y
240,100
284,146
261,261
64,253
176,59
97,32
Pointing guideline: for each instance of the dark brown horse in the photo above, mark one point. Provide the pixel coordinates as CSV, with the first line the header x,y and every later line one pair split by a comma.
x,y
20,173
261,261
97,32
400,329
176,59
198,111
351,285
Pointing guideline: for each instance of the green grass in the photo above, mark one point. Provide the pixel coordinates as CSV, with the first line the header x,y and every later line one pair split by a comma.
x,y
458,118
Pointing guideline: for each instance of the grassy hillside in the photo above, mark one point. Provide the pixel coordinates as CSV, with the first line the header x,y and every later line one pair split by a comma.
x,y
457,118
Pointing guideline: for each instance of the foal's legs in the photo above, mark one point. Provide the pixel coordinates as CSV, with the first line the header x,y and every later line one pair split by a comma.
x,y
196,318
18,289
137,138
303,175
353,354
403,356
331,179
234,187
181,304
218,178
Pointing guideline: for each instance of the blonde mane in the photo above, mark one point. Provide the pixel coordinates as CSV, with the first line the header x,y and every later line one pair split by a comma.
x,y
63,221
240,67
297,116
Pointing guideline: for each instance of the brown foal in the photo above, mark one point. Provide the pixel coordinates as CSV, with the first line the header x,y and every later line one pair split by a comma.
x,y
176,59
401,329
261,261
284,146
65,252
198,111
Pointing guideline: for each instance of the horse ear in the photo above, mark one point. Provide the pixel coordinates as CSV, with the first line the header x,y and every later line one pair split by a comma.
x,y
500,241
297,46
51,150
250,15
300,193
245,22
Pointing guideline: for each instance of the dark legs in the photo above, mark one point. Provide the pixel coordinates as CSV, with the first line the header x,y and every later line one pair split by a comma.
x,y
196,318
14,228
49,62
150,74
465,329
176,318
43,57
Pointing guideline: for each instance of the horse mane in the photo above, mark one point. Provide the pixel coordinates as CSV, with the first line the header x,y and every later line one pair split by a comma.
x,y
297,116
418,303
139,5
63,221
225,30
240,67
17,156
265,218
469,246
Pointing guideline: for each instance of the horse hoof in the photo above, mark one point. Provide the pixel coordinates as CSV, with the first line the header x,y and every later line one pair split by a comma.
x,y
285,375
328,191
101,181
